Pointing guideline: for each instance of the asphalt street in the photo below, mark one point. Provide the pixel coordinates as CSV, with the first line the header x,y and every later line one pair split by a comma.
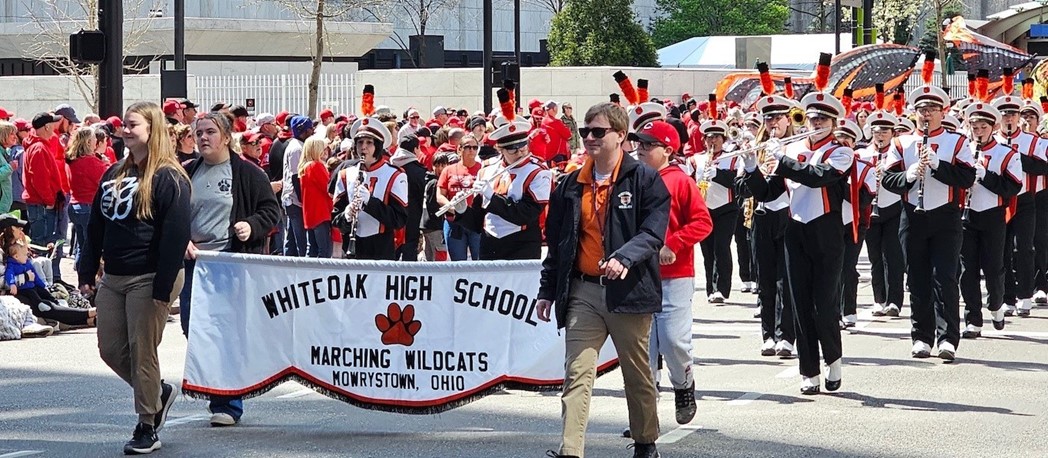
x,y
57,398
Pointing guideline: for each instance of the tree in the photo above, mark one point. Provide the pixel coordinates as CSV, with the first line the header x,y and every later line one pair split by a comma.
x,y
683,19
56,19
553,6
418,13
937,12
896,19
599,32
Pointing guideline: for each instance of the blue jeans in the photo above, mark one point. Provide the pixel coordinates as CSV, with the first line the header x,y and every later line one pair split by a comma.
x,y
61,233
42,224
233,406
318,240
459,239
295,243
79,215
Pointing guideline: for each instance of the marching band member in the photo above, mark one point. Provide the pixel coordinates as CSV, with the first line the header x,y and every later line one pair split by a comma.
x,y
931,171
951,123
716,180
1031,113
689,223
856,215
513,191
887,264
904,126
375,190
769,227
813,171
999,177
1018,242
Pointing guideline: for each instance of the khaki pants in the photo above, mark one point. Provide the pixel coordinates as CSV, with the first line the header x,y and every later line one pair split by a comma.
x,y
130,327
589,325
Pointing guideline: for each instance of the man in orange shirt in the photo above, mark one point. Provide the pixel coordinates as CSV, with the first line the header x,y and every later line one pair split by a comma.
x,y
607,222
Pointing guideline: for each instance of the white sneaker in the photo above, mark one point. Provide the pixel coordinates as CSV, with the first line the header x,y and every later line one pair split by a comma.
x,y
850,320
36,330
768,348
972,331
222,419
1040,297
716,298
891,310
1024,307
1009,309
877,309
921,350
784,349
947,351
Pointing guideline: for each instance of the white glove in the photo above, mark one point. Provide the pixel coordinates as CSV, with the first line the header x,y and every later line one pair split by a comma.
x,y
484,188
750,162
933,159
365,193
460,207
980,171
708,173
912,173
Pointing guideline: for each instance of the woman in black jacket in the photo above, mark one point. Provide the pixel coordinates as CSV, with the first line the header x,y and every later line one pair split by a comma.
x,y
233,209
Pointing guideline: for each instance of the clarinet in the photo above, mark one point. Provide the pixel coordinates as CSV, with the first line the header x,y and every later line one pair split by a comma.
x,y
876,211
920,186
353,210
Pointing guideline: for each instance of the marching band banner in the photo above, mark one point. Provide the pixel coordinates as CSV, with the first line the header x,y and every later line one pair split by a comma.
x,y
396,336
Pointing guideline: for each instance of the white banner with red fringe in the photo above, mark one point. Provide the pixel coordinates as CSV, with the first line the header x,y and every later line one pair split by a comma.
x,y
396,336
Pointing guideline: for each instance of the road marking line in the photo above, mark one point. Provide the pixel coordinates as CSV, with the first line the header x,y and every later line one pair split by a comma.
x,y
184,420
992,333
789,373
745,399
21,453
677,434
296,394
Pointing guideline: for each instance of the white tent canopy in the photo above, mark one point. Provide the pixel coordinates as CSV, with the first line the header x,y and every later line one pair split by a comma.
x,y
788,52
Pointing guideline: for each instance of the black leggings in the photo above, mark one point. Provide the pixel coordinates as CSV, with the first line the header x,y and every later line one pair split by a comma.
x,y
39,298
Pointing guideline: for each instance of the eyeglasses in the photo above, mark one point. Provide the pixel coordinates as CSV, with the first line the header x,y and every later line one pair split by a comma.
x,y
414,117
470,147
646,146
928,110
598,132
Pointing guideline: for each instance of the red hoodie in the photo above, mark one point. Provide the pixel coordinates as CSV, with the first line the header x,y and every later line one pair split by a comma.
x,y
316,202
558,134
689,223
40,174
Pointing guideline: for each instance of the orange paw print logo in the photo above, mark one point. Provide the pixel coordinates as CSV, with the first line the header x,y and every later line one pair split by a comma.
x,y
398,326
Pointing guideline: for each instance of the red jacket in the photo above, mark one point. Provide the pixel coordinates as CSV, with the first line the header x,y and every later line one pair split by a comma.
x,y
316,202
40,174
689,222
59,153
538,139
85,173
559,134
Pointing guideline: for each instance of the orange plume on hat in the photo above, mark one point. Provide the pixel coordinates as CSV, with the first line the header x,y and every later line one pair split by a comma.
x,y
626,86
788,87
971,85
846,100
712,107
1007,81
822,71
1044,104
982,84
928,68
878,97
1027,91
642,91
507,100
899,101
367,101
767,85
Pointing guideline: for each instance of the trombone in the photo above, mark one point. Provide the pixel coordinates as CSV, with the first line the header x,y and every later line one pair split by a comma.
x,y
775,143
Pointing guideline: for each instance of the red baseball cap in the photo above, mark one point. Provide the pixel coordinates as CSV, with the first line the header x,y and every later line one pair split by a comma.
x,y
171,106
657,132
115,122
282,119
327,113
250,137
22,125
4,114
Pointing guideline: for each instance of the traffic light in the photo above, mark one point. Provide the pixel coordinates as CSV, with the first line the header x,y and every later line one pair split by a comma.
x,y
87,46
511,71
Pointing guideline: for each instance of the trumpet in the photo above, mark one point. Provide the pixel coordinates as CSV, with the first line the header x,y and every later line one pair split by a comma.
x,y
797,117
466,194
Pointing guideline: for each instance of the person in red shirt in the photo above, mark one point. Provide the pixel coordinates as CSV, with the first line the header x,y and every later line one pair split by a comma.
x,y
558,134
689,223
316,202
538,139
42,179
426,148
85,170
454,179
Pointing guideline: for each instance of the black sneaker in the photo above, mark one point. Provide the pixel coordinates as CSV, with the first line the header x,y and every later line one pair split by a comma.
x,y
685,402
167,399
643,450
552,454
143,442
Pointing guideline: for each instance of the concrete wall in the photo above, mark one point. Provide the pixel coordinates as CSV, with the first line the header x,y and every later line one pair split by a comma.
x,y
208,68
581,86
28,95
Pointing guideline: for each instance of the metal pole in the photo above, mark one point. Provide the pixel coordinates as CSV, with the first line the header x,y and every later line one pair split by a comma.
x,y
837,26
488,27
180,34
867,22
516,44
111,70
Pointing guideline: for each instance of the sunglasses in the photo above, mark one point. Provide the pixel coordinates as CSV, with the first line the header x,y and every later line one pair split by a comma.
x,y
470,147
415,117
598,132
